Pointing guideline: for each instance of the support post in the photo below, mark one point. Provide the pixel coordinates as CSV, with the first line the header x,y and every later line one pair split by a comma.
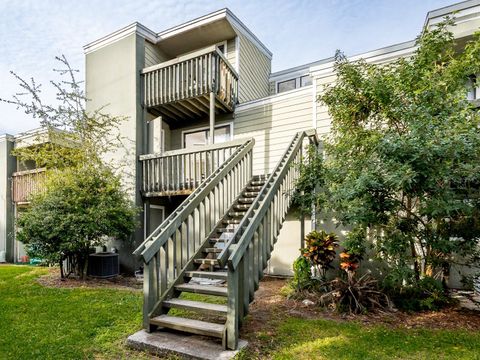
x,y
212,118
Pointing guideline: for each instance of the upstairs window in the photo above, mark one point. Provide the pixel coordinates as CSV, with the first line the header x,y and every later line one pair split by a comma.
x,y
305,80
286,85
294,83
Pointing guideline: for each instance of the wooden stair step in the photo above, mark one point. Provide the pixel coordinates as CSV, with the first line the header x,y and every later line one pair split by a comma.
x,y
203,289
215,240
258,182
256,188
231,221
212,250
239,214
225,230
206,261
198,306
245,200
207,274
189,325
250,194
241,206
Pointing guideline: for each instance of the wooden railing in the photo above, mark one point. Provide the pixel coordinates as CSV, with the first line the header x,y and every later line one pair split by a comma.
x,y
256,235
169,251
191,76
181,171
26,183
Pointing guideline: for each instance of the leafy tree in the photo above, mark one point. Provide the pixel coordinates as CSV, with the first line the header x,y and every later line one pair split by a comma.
x,y
82,203
402,163
81,208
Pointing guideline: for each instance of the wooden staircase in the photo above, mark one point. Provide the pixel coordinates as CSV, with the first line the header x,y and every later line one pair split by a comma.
x,y
208,271
203,264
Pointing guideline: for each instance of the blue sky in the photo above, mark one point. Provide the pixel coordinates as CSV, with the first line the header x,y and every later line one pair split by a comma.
x,y
33,32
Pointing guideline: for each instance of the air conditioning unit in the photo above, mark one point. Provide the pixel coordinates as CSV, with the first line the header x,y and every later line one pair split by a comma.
x,y
103,265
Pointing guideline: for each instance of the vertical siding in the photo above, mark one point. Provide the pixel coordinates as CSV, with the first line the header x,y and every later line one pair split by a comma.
x,y
254,71
273,123
153,55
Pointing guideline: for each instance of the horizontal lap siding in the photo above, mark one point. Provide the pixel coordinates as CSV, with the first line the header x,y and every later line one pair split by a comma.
x,y
273,125
324,121
153,55
254,71
231,54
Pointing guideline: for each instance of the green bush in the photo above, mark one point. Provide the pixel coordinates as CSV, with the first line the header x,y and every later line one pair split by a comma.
x,y
425,294
302,276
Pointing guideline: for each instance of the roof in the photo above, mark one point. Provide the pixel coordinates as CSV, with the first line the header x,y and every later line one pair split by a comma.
x,y
137,28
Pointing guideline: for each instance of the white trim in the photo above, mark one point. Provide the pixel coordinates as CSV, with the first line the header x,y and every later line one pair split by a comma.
x,y
7,137
314,103
237,54
463,8
135,28
200,128
297,70
380,55
272,98
240,27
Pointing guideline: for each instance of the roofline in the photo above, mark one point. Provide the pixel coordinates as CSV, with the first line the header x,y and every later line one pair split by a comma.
x,y
134,28
300,68
406,48
445,10
153,37
7,137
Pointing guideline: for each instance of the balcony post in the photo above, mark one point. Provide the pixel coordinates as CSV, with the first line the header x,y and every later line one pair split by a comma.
x,y
211,138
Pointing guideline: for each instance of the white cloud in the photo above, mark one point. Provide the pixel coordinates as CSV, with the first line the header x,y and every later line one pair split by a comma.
x,y
33,32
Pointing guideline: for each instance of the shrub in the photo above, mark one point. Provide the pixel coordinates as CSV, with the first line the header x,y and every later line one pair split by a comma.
x,y
301,273
355,295
320,250
425,294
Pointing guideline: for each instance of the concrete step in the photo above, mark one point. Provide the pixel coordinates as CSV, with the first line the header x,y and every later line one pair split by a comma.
x,y
203,289
197,306
222,275
189,325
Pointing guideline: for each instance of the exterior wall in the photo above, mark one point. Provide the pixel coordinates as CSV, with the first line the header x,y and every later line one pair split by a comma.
x,y
7,167
231,53
113,82
288,245
273,122
253,72
153,54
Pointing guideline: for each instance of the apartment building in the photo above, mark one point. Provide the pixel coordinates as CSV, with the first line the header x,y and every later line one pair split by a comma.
x,y
211,135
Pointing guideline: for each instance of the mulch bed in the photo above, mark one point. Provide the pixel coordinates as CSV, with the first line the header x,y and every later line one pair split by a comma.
x,y
120,282
270,304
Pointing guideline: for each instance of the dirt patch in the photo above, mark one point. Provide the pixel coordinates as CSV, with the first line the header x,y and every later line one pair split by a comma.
x,y
270,308
120,282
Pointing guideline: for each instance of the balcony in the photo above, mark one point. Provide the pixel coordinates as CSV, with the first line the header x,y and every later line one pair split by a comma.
x,y
190,86
179,172
26,183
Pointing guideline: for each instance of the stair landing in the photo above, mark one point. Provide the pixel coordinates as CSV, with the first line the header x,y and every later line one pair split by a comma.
x,y
186,346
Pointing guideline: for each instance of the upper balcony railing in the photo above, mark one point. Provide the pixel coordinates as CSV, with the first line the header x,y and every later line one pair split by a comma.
x,y
179,172
180,88
26,183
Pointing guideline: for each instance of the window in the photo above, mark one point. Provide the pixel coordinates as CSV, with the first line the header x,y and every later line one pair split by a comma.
x,y
200,137
286,85
305,81
473,88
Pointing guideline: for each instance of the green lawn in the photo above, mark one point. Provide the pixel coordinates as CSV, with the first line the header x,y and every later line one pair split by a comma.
x,y
49,323
325,339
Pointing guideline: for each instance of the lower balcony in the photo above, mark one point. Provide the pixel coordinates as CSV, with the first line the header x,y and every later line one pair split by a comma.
x,y
26,183
179,172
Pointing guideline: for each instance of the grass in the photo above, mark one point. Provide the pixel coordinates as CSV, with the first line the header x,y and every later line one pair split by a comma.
x,y
51,323
297,338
